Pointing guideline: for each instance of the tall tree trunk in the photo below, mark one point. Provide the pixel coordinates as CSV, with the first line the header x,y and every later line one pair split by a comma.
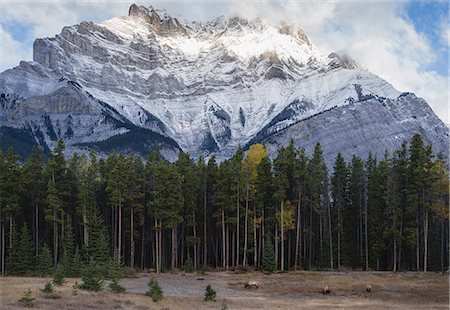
x,y
195,238
233,249
395,255
174,249
119,241
260,241
310,238
223,240
237,226
320,235
298,237
114,229
131,238
142,246
227,246
247,191
400,242
157,249
442,244
36,241
3,247
417,238
330,236
282,235
361,255
85,226
160,248
55,239
276,244
425,237
366,236
255,239
205,241
339,238
11,231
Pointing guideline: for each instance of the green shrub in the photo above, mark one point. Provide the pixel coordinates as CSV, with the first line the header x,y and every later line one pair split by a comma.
x,y
189,265
27,299
48,288
92,277
75,289
45,262
58,276
210,293
116,287
154,290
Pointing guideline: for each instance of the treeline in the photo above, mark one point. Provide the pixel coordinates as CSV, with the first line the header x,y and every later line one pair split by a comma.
x,y
375,214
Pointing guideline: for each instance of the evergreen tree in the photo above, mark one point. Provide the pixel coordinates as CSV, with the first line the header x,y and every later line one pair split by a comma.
x,y
45,263
354,214
57,193
339,190
11,187
268,262
154,290
92,277
58,275
67,245
210,293
316,179
22,257
281,180
377,208
98,247
34,183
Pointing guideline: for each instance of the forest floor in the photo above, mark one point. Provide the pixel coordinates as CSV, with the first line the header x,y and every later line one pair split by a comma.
x,y
293,290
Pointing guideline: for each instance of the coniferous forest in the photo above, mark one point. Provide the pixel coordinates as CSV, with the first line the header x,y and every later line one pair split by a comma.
x,y
250,211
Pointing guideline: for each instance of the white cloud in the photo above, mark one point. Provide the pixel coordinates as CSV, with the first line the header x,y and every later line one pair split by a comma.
x,y
11,52
379,35
445,32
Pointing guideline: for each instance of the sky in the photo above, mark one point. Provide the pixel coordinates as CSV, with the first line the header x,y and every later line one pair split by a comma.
x,y
404,42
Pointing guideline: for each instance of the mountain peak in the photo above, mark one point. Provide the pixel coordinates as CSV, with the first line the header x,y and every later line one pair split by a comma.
x,y
162,22
203,87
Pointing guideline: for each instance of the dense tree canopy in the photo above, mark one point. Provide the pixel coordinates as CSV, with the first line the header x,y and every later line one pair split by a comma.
x,y
387,213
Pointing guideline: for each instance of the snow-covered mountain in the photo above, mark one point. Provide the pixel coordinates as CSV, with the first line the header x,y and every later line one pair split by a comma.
x,y
152,78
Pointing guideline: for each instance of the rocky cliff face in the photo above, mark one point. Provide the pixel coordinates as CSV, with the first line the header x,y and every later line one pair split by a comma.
x,y
152,78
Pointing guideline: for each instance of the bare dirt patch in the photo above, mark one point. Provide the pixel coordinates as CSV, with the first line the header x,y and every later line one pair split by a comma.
x,y
294,290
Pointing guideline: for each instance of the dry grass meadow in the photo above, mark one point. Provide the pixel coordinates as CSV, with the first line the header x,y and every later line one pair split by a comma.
x,y
294,290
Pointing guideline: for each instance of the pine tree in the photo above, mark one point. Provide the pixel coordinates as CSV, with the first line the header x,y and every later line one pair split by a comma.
x,y
58,275
98,247
377,209
67,245
11,188
34,182
354,214
27,299
116,287
190,187
210,293
268,262
188,265
77,263
57,192
154,290
281,185
316,179
92,277
339,183
45,263
22,256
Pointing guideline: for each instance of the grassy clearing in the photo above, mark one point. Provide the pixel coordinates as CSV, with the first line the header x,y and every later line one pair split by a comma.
x,y
294,290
